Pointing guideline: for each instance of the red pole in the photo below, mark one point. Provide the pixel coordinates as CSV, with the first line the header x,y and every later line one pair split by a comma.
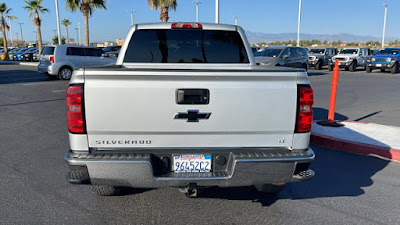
x,y
335,77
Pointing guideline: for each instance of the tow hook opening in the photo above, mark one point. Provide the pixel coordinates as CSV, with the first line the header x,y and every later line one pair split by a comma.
x,y
191,190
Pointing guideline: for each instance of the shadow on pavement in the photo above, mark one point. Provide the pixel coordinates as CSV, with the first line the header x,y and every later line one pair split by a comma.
x,y
317,73
337,173
367,116
322,114
20,76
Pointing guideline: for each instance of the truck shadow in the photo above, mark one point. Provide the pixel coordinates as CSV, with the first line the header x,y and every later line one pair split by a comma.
x,y
338,173
20,76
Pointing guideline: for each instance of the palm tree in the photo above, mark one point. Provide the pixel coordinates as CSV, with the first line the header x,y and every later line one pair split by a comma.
x,y
34,7
3,25
66,23
86,7
164,6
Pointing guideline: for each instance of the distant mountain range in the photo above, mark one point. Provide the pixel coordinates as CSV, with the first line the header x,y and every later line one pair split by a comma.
x,y
255,37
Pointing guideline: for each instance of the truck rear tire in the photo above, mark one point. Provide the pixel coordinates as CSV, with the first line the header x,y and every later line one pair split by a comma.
x,y
318,66
353,66
368,69
269,188
395,68
106,190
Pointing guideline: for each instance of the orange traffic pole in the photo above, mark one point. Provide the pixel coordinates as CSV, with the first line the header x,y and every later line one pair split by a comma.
x,y
332,102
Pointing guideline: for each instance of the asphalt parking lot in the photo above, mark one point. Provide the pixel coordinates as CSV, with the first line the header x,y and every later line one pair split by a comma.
x,y
348,188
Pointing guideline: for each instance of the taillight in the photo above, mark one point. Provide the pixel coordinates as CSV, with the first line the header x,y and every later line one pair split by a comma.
x,y
52,59
75,113
187,26
305,100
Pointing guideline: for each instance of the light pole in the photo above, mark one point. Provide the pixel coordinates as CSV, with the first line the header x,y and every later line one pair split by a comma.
x,y
132,11
79,32
77,36
17,38
384,27
12,41
197,10
298,25
235,20
216,11
58,24
22,36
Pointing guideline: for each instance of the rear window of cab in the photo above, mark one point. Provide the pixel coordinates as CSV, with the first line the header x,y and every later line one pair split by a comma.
x,y
186,46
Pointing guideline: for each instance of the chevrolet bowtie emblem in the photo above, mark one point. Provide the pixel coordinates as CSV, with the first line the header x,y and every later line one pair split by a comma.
x,y
192,115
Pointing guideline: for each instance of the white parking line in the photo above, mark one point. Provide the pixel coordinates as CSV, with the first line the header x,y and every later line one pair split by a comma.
x,y
55,91
45,82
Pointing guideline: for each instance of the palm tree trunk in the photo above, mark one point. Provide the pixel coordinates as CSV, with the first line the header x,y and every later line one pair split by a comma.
x,y
86,29
164,14
39,37
66,27
3,30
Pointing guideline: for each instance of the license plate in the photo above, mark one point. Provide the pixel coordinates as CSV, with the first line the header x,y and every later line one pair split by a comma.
x,y
378,65
187,163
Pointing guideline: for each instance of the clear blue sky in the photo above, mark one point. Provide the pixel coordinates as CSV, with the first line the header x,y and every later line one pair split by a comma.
x,y
360,17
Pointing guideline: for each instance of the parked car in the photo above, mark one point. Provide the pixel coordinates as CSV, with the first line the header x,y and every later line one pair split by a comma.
x,y
28,55
2,54
319,57
113,54
111,48
18,56
175,115
255,49
36,56
282,56
61,60
385,59
351,58
12,53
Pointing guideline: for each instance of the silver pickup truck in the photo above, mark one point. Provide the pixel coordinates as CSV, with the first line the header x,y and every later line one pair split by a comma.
x,y
187,106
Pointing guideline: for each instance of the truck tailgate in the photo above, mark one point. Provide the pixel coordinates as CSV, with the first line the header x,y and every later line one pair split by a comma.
x,y
136,109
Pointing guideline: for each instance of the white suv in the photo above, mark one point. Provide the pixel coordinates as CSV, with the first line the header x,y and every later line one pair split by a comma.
x,y
61,60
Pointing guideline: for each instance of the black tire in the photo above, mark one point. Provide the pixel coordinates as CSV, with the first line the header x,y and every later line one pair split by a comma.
x,y
395,68
368,69
51,76
318,66
383,70
330,67
65,73
106,190
353,66
269,188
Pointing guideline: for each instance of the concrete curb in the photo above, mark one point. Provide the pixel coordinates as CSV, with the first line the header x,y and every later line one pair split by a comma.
x,y
19,63
354,146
